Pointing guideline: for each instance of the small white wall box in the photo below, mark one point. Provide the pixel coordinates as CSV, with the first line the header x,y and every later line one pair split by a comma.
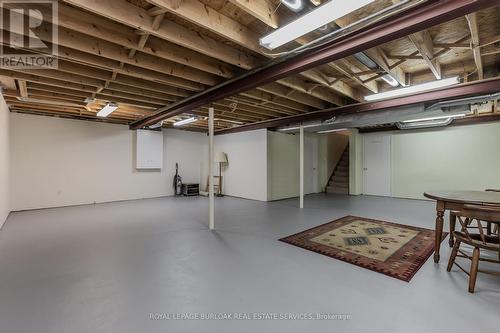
x,y
149,151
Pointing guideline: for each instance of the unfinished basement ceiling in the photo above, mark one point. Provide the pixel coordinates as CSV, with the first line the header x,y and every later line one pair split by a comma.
x,y
184,47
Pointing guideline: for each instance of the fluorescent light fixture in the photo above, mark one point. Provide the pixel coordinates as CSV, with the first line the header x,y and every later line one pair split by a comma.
x,y
332,130
107,110
311,21
294,5
390,80
293,128
434,118
157,125
185,121
414,89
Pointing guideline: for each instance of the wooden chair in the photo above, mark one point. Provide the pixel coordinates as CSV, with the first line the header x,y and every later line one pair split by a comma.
x,y
481,240
453,220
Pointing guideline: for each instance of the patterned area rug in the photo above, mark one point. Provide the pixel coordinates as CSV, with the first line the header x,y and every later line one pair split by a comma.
x,y
393,249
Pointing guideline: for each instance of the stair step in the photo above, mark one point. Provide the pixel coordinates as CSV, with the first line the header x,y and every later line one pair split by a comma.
x,y
342,168
339,185
340,180
330,189
341,174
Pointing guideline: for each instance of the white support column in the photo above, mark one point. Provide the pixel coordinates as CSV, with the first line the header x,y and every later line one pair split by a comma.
x,y
211,202
301,181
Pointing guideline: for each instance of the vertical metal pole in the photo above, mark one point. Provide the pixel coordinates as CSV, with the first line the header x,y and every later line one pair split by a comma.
x,y
211,202
301,139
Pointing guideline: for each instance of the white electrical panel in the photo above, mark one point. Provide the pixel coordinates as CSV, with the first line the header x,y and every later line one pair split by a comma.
x,y
149,154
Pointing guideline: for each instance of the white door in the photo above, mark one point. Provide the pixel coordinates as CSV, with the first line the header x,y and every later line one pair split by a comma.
x,y
377,165
310,165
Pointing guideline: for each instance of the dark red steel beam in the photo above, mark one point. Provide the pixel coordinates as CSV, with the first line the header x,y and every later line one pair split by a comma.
x,y
458,91
402,24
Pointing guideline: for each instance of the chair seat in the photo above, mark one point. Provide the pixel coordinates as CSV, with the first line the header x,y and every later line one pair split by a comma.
x,y
491,241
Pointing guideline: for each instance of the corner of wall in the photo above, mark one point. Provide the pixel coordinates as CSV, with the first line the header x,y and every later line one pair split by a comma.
x,y
5,190
356,162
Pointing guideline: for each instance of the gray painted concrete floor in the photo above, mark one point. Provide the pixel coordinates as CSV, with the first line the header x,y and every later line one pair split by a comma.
x,y
106,267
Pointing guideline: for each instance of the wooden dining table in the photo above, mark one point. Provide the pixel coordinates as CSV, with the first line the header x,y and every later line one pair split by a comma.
x,y
455,200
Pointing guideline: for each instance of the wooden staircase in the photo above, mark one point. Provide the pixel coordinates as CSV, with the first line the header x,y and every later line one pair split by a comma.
x,y
339,180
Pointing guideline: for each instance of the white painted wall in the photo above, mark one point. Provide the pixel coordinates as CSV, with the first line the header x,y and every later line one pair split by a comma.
x,y
455,158
284,166
4,161
355,162
59,162
452,158
246,173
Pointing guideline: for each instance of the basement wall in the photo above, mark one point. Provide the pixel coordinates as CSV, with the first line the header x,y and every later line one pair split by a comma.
x,y
4,161
60,162
245,176
452,158
455,158
283,162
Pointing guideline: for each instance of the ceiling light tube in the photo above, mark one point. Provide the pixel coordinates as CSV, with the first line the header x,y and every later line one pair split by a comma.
x,y
107,110
311,21
294,5
414,89
424,124
185,121
433,118
293,128
332,130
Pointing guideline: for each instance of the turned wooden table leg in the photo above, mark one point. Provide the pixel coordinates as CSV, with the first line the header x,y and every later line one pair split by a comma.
x,y
439,229
453,221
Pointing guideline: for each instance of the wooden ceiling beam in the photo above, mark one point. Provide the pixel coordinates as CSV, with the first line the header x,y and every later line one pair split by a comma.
x,y
208,18
102,28
267,98
62,76
74,39
490,50
175,87
333,84
380,58
59,90
262,10
350,70
23,90
225,115
137,18
44,93
294,95
256,111
490,40
258,105
222,110
474,32
423,43
112,78
377,54
180,75
145,36
312,88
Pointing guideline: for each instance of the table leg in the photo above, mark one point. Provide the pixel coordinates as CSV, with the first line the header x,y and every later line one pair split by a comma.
x,y
453,221
439,229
